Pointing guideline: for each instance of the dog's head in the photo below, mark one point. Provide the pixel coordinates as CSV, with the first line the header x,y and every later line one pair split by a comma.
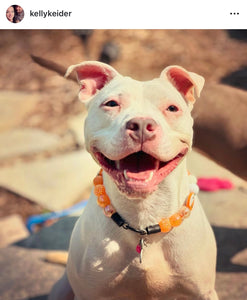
x,y
137,131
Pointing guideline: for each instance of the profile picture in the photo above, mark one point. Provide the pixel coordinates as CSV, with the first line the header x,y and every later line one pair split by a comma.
x,y
15,13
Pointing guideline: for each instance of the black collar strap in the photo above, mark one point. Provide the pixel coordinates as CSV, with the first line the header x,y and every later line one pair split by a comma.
x,y
122,223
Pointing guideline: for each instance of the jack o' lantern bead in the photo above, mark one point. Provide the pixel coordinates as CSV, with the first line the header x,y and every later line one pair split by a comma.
x,y
175,220
165,225
190,201
184,212
109,210
103,200
98,180
99,190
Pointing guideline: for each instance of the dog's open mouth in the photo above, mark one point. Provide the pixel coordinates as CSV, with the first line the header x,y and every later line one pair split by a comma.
x,y
138,171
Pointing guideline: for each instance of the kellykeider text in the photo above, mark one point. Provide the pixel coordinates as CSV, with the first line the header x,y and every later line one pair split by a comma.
x,y
49,13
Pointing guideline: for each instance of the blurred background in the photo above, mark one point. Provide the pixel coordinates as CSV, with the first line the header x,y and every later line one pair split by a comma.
x,y
43,163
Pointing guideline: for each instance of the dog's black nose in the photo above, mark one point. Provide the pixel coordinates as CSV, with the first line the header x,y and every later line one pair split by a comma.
x,y
141,129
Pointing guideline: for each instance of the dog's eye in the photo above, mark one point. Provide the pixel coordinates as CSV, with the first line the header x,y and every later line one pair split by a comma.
x,y
172,108
111,103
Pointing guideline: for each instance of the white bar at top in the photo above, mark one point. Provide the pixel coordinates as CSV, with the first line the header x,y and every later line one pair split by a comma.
x,y
129,14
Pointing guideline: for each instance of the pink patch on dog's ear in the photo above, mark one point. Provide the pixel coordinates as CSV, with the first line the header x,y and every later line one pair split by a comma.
x,y
92,77
182,83
185,82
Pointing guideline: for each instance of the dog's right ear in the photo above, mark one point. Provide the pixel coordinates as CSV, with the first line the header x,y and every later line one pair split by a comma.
x,y
185,82
92,77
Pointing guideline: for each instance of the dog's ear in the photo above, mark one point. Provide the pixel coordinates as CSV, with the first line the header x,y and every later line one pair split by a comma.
x,y
185,82
92,76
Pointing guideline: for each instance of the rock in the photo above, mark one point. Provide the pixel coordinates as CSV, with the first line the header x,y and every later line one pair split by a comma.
x,y
240,258
57,257
109,53
225,208
54,237
221,206
25,275
15,106
54,183
84,34
238,34
201,166
221,133
237,78
12,229
231,285
76,126
22,141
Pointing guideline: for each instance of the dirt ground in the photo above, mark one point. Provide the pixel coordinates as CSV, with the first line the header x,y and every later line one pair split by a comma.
x,y
141,53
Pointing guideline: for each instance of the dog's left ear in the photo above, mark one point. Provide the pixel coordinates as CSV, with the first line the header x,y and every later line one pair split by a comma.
x,y
92,77
185,82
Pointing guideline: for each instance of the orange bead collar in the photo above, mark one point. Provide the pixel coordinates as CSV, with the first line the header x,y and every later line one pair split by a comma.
x,y
165,224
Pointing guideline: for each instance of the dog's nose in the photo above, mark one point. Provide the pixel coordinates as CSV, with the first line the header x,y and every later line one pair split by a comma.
x,y
141,129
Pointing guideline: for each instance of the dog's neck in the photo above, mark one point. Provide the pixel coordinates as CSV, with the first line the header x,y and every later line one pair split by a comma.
x,y
165,201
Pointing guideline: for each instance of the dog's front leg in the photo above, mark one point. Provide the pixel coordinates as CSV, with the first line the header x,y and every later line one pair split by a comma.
x,y
212,295
62,290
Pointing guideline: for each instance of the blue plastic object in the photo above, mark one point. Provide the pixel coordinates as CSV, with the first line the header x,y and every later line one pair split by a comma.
x,y
39,219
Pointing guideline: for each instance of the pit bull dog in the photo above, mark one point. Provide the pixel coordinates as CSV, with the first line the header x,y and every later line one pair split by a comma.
x,y
143,234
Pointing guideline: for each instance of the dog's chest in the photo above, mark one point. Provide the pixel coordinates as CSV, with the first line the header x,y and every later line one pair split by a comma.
x,y
152,277
154,271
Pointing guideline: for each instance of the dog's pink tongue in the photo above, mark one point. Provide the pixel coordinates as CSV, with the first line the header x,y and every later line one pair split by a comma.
x,y
146,175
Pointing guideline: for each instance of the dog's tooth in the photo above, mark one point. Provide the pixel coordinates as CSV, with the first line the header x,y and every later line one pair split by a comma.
x,y
117,164
150,176
125,175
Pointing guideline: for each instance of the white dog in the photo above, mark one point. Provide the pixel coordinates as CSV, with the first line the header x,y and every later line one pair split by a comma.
x,y
143,234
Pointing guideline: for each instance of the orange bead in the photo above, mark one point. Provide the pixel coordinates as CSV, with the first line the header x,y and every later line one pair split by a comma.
x,y
103,200
190,201
98,180
109,210
165,225
184,212
99,190
175,220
